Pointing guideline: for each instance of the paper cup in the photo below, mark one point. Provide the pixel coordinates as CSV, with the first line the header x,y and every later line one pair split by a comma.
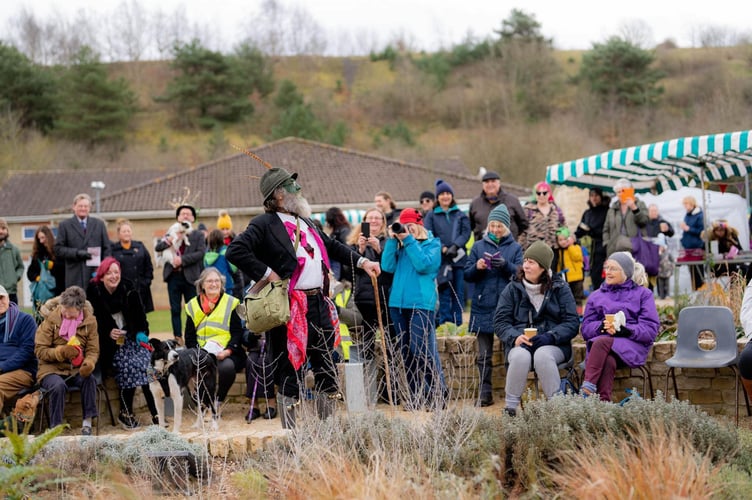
x,y
530,332
610,318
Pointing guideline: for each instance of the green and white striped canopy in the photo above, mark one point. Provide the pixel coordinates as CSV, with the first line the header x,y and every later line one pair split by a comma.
x,y
661,166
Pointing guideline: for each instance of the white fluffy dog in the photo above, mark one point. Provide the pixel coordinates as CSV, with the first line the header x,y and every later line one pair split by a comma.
x,y
177,235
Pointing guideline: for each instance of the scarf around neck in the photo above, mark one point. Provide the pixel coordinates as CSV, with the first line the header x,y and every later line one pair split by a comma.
x,y
534,293
69,326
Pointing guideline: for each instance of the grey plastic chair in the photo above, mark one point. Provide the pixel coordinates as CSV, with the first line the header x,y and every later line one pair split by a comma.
x,y
692,322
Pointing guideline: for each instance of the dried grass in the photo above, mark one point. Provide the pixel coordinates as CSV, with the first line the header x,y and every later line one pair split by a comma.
x,y
656,462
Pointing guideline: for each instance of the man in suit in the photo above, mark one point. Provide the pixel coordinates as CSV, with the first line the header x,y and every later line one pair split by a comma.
x,y
78,240
283,243
185,268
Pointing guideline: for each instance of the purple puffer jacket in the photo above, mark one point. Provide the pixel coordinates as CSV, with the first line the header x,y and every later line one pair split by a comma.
x,y
642,319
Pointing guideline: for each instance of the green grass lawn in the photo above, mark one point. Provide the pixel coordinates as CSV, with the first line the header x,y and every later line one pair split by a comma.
x,y
159,321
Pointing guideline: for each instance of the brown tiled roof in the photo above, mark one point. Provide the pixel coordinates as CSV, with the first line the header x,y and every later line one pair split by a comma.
x,y
47,192
329,175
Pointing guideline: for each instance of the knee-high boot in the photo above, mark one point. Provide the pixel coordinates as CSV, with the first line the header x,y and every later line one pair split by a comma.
x,y
286,408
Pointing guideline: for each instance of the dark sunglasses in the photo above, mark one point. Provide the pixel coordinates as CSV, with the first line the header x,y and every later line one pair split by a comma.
x,y
426,200
541,193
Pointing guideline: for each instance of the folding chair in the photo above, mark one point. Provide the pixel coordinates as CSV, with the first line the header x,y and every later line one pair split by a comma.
x,y
693,321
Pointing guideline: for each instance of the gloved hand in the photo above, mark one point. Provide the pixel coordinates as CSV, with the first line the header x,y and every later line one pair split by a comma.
x,y
66,352
83,255
452,252
86,368
542,339
143,340
623,331
76,362
498,262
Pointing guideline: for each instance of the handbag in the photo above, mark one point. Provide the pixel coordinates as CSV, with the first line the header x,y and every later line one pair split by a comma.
x,y
267,303
647,253
268,307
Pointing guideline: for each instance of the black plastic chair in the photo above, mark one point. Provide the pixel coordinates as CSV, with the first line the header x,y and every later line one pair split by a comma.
x,y
693,321
566,366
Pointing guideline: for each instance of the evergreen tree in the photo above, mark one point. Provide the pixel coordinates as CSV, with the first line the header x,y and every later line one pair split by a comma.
x,y
211,87
27,90
618,71
94,109
296,118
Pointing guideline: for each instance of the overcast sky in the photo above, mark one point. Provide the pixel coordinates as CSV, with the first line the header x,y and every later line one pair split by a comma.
x,y
574,24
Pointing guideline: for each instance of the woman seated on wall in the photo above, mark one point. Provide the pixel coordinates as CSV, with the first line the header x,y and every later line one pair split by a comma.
x,y
619,326
536,320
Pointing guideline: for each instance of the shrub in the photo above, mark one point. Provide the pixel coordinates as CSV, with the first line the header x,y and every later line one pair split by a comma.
x,y
544,432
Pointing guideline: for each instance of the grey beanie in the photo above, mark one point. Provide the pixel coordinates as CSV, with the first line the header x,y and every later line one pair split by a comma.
x,y
625,261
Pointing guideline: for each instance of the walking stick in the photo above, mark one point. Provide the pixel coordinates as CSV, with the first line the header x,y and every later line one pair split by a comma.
x,y
255,384
383,340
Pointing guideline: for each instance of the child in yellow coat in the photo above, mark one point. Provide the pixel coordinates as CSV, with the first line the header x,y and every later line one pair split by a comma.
x,y
570,261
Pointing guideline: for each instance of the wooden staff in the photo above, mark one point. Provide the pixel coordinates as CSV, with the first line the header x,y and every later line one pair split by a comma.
x,y
383,340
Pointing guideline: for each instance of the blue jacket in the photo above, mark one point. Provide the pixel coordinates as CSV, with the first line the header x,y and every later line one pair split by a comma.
x,y
17,342
557,315
415,265
451,228
489,283
691,238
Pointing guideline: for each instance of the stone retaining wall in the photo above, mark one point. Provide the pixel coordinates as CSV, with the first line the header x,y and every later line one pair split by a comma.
x,y
713,389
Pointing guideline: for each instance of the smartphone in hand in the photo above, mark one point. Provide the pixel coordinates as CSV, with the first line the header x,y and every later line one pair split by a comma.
x,y
365,229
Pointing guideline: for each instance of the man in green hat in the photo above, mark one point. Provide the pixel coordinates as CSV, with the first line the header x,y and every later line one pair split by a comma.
x,y
283,243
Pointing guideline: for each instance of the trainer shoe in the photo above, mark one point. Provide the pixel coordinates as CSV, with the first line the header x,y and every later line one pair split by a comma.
x,y
86,430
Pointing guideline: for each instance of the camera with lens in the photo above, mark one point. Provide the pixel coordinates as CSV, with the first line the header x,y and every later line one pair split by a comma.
x,y
398,228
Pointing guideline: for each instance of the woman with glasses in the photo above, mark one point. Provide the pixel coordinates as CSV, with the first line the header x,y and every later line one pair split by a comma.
x,y
619,326
427,202
370,246
413,255
627,216
544,216
214,325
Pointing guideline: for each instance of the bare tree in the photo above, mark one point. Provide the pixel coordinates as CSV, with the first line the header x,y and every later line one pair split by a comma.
x,y
306,36
638,33
169,29
128,34
27,34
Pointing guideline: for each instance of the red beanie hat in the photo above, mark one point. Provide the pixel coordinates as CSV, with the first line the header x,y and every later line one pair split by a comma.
x,y
410,216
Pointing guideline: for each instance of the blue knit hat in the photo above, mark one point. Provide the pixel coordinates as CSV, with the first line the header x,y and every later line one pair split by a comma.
x,y
443,186
500,213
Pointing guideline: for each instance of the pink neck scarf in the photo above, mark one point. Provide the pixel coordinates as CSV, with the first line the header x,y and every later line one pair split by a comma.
x,y
69,326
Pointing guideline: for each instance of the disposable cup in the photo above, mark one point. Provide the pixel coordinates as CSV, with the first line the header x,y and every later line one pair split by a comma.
x,y
121,339
610,318
530,332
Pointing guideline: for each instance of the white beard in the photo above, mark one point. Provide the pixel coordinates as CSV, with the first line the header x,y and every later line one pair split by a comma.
x,y
296,204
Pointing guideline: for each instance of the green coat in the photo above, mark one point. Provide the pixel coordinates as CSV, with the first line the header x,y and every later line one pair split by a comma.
x,y
633,223
11,267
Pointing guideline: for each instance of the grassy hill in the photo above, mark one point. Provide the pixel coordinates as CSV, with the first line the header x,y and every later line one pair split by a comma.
x,y
475,117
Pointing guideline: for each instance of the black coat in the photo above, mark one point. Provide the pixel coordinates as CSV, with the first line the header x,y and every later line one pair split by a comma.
x,y
70,239
364,286
266,244
557,315
193,258
125,299
136,267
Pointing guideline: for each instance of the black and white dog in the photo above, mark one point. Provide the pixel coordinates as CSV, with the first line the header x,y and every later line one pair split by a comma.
x,y
176,369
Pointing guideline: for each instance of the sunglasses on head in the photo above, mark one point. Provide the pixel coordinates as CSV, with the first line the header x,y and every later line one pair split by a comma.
x,y
541,193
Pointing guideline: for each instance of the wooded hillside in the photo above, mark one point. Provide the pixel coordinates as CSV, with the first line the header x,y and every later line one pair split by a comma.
x,y
511,104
